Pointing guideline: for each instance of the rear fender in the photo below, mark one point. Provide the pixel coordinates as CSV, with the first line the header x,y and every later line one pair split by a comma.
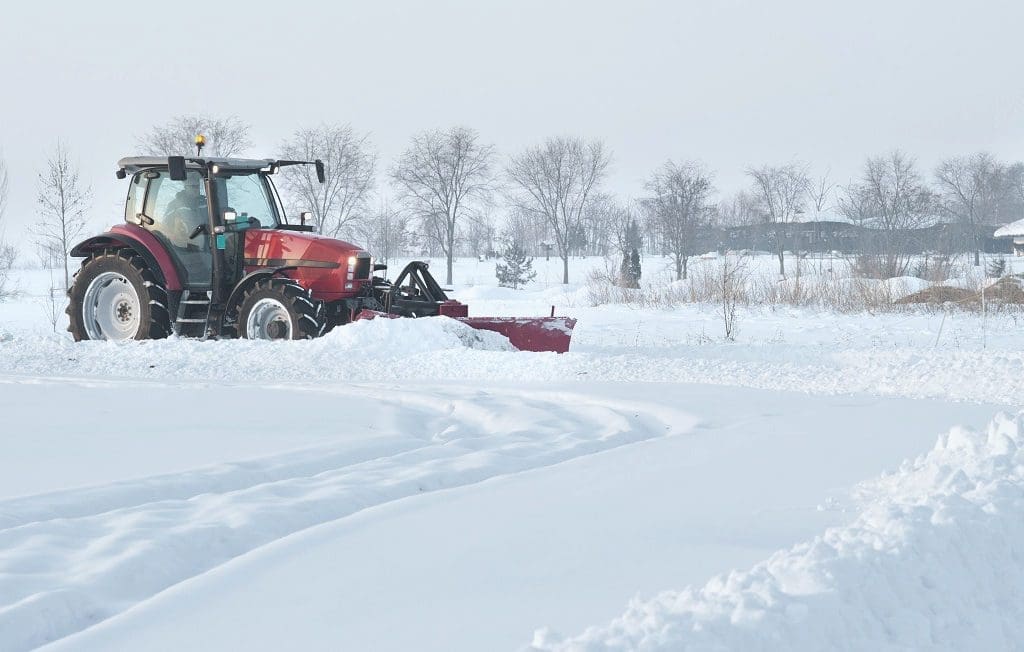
x,y
157,260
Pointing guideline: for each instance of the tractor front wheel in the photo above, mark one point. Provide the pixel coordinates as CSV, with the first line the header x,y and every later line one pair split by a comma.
x,y
279,309
116,297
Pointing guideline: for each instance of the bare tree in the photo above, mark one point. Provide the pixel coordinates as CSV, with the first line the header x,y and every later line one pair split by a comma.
x,y
349,172
554,182
972,188
8,254
1011,207
741,209
48,254
855,204
820,192
729,283
523,227
1014,180
3,191
63,202
898,192
894,194
443,176
226,137
385,232
480,235
605,218
781,191
604,222
678,207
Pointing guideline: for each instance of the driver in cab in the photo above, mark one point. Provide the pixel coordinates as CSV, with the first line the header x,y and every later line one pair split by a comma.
x,y
186,211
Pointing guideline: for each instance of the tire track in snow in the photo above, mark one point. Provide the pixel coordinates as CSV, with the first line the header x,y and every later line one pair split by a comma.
x,y
81,560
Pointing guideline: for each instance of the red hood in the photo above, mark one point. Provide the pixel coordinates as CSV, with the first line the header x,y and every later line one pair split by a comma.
x,y
322,264
268,247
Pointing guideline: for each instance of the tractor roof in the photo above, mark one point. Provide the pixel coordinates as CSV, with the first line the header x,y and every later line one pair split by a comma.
x,y
133,164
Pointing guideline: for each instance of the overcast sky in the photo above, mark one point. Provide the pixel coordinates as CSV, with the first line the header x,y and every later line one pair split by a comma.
x,y
728,83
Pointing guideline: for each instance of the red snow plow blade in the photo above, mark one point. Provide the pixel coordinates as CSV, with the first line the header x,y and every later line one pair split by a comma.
x,y
524,333
529,333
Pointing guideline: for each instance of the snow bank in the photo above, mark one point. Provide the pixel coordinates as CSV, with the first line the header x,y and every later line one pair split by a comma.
x,y
363,342
408,336
903,286
932,560
970,282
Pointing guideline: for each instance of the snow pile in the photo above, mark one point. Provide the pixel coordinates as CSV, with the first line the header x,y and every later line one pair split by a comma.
x,y
410,336
903,286
932,560
969,282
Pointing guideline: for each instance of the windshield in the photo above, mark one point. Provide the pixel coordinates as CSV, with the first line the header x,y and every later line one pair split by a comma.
x,y
249,197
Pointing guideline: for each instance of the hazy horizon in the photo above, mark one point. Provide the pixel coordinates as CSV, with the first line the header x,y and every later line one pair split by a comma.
x,y
731,84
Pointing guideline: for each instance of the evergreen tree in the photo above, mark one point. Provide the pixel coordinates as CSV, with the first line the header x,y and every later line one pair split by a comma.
x,y
629,270
516,268
634,265
997,267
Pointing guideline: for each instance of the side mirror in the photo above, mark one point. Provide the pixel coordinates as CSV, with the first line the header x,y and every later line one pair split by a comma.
x,y
176,167
306,217
379,267
320,175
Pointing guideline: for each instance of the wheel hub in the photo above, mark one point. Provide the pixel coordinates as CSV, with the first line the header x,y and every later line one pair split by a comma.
x,y
124,312
111,308
269,319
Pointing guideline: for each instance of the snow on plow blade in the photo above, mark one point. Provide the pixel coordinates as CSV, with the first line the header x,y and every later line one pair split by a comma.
x,y
529,333
524,333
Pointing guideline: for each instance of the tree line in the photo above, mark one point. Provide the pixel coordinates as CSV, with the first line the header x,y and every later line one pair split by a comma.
x,y
451,194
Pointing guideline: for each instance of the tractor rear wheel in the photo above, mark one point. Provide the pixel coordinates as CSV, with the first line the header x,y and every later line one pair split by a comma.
x,y
279,309
116,297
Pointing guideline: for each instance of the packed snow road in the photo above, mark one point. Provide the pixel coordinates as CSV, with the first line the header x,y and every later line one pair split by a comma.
x,y
89,551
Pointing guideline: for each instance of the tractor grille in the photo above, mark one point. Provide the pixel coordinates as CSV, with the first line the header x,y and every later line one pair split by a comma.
x,y
362,267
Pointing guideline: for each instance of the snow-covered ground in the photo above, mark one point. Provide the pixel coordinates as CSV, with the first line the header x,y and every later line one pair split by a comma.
x,y
398,485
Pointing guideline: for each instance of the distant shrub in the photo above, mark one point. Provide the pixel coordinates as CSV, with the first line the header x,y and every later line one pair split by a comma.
x,y
996,267
516,268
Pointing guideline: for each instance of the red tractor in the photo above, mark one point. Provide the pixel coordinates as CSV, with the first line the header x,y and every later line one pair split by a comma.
x,y
207,251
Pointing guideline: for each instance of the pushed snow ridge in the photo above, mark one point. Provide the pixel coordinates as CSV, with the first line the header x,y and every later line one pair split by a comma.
x,y
931,561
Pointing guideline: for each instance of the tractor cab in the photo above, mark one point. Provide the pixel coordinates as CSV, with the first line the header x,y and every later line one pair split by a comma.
x,y
177,211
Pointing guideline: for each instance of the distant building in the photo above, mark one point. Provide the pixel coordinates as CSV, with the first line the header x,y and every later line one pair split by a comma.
x,y
845,237
1015,232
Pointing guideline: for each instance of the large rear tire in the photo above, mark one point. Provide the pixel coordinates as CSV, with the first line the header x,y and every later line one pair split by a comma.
x,y
116,297
279,309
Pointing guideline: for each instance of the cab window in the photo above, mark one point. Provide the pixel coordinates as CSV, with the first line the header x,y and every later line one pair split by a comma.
x,y
247,195
176,207
136,194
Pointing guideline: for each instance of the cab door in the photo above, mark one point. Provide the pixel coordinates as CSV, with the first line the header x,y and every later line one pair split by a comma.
x,y
171,210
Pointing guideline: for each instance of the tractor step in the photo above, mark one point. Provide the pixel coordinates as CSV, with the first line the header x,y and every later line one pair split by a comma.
x,y
193,314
